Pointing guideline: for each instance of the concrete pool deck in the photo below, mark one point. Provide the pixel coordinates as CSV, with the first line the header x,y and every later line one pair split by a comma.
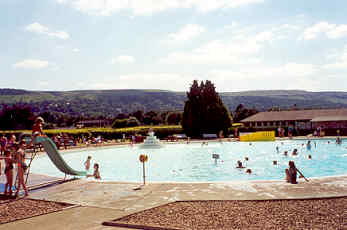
x,y
102,201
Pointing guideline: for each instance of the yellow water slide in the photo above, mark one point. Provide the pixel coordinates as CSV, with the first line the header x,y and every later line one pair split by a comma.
x,y
258,136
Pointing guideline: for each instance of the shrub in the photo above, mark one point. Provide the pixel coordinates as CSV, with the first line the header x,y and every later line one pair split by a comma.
x,y
132,122
120,123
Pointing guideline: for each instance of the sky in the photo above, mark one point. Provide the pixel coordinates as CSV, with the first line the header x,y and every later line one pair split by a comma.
x,y
165,44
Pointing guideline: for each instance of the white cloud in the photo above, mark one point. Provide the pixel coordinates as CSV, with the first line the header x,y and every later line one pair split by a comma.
x,y
340,60
332,31
239,50
286,76
76,50
186,33
123,59
140,81
149,7
290,70
40,29
31,64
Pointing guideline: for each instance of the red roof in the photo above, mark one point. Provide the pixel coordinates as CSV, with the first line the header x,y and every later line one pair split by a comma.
x,y
296,115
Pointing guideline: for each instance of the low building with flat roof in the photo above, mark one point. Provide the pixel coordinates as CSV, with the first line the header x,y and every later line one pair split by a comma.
x,y
333,119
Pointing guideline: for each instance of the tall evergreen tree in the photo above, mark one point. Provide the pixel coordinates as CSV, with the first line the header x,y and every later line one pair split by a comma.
x,y
191,121
204,111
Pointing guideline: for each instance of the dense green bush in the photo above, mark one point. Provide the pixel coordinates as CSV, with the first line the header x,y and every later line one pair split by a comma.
x,y
120,123
132,122
108,133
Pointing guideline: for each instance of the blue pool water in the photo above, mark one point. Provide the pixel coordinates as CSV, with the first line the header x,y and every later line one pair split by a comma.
x,y
193,162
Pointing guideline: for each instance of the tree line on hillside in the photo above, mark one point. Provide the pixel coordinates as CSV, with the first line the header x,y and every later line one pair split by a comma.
x,y
204,112
19,117
108,103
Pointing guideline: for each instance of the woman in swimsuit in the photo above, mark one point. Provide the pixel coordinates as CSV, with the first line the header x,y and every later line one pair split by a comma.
x,y
21,167
8,172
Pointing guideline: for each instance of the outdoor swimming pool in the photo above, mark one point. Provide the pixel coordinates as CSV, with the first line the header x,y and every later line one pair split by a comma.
x,y
193,162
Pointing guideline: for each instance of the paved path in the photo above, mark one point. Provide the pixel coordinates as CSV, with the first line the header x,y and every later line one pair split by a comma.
x,y
107,201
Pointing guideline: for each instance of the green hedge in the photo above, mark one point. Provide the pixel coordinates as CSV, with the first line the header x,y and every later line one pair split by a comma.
x,y
109,133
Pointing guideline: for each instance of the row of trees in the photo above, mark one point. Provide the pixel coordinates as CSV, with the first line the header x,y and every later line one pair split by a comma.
x,y
18,117
150,118
204,112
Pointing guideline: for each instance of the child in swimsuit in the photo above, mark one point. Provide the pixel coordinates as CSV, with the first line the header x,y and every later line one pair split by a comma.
x,y
21,167
96,173
3,144
87,163
8,172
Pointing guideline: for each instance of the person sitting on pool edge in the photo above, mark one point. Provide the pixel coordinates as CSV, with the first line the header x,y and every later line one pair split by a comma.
x,y
291,173
239,165
96,173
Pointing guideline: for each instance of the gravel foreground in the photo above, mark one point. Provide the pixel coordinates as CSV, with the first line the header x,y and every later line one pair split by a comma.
x,y
278,214
11,210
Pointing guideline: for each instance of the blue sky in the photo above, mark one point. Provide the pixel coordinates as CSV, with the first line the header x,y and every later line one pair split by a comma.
x,y
165,44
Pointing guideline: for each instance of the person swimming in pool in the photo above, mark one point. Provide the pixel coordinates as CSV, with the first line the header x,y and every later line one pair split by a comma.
x,y
239,165
295,152
308,145
96,173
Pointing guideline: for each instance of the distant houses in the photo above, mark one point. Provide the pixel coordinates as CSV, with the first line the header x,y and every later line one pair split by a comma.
x,y
330,120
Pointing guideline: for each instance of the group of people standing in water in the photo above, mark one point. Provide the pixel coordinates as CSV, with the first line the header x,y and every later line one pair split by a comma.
x,y
291,171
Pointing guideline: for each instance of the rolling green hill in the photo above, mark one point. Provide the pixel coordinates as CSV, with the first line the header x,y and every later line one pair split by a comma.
x,y
111,102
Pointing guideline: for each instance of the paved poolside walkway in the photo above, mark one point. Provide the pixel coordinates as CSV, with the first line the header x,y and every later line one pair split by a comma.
x,y
110,200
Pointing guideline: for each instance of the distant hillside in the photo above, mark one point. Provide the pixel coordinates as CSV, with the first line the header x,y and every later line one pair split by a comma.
x,y
111,102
